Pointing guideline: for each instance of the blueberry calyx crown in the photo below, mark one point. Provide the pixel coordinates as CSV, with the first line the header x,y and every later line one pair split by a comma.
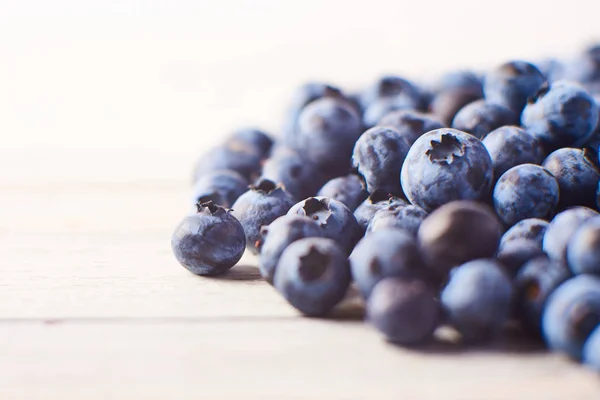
x,y
447,149
264,185
313,265
313,207
212,208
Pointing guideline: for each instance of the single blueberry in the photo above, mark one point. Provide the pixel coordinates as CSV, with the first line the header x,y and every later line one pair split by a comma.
x,y
461,79
591,350
481,117
278,236
256,138
525,191
477,299
516,253
571,313
458,232
586,67
410,124
378,155
446,104
221,187
510,146
313,275
260,206
384,254
577,175
336,220
404,310
530,229
407,218
583,250
378,200
234,155
560,114
561,230
392,87
347,189
445,165
379,108
209,242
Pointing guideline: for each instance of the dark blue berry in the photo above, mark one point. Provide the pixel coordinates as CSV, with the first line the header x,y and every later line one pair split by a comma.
x,y
516,253
234,155
561,230
446,104
591,350
531,229
583,250
410,124
407,218
379,108
221,187
461,79
347,189
256,138
481,117
378,200
392,87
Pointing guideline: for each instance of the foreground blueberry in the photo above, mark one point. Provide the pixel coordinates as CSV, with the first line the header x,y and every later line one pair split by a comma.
x,y
260,206
334,218
458,232
531,229
378,200
477,299
481,117
313,275
347,189
378,155
407,218
510,146
533,284
278,236
512,84
404,310
561,230
571,314
221,187
384,254
525,191
583,250
560,114
209,242
577,175
445,165
591,350
410,124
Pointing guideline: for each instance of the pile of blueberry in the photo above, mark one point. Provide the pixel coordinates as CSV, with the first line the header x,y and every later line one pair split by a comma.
x,y
471,203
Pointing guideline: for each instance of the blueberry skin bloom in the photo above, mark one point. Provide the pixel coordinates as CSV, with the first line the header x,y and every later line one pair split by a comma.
x,y
510,146
313,275
562,228
512,84
333,217
445,165
571,314
327,131
209,242
260,206
530,229
410,124
378,200
477,299
384,254
481,117
378,155
525,191
347,189
221,187
458,232
278,236
577,176
583,250
560,114
591,350
404,310
407,218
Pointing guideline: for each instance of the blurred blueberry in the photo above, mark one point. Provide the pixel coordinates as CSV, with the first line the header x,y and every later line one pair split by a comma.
x,y
378,200
379,108
347,189
234,155
586,67
516,253
561,230
392,87
481,117
410,124
256,138
583,250
591,350
530,229
221,187
407,218
446,104
461,79
552,68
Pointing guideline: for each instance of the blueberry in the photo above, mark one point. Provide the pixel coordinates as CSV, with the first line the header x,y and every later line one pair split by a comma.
x,y
461,79
560,114
384,254
347,189
209,242
378,200
327,131
510,146
458,232
525,191
534,282
561,230
407,218
571,313
379,108
583,250
410,124
445,165
481,117
446,104
516,253
512,84
336,220
234,155
552,69
477,299
313,275
260,206
221,187
404,310
531,229
586,68
378,155
299,177
256,138
392,87
278,236
577,175
591,350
